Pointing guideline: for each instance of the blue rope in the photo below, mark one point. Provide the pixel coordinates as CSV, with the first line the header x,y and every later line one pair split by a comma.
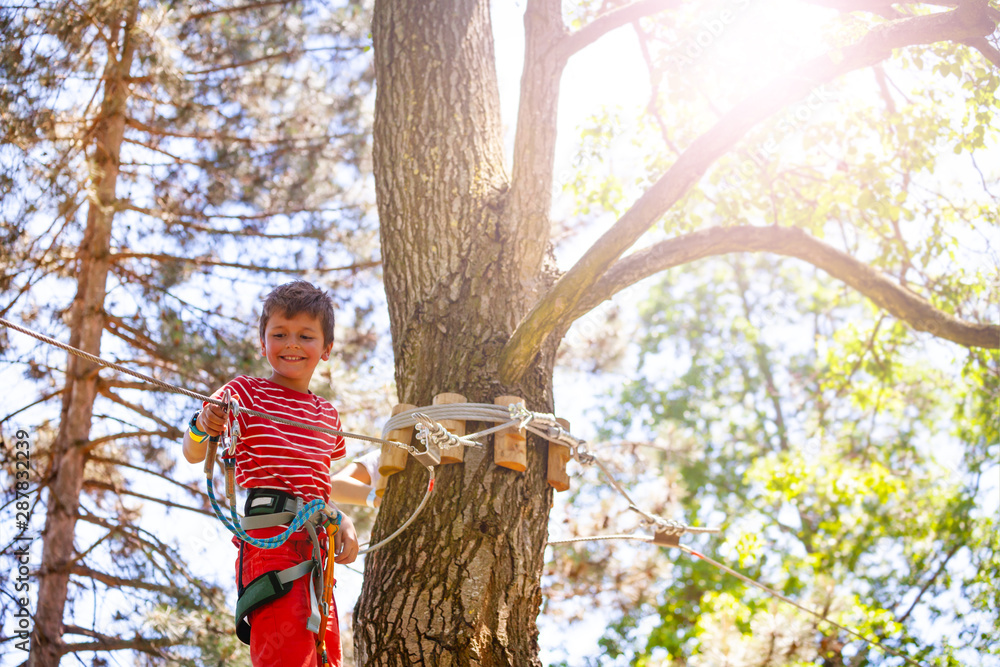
x,y
234,527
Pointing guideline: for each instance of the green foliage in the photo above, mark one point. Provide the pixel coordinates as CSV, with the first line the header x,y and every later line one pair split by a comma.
x,y
869,505
851,461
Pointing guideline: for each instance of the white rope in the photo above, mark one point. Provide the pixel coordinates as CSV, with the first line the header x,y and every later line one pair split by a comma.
x,y
383,542
435,437
595,538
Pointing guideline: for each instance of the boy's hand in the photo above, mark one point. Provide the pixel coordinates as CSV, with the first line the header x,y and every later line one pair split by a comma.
x,y
345,542
212,420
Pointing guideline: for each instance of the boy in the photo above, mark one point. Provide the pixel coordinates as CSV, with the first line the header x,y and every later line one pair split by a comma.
x,y
279,464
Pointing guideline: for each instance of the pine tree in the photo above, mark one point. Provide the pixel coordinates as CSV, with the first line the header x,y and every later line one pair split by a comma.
x,y
155,153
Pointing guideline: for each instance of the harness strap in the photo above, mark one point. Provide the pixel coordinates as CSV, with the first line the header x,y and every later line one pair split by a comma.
x,y
264,589
255,522
316,615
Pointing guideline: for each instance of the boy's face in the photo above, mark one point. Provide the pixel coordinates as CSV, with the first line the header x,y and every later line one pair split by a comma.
x,y
294,346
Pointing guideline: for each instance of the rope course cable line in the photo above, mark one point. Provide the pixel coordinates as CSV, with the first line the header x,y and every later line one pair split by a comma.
x,y
434,436
770,591
432,433
187,392
742,577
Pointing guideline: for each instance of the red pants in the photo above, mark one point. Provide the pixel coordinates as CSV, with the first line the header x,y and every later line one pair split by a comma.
x,y
279,637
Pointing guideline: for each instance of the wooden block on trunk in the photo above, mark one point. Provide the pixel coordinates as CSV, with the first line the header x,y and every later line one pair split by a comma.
x,y
509,447
454,454
393,459
558,456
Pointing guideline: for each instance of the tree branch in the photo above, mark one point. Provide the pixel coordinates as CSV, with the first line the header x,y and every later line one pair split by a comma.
x,y
240,8
984,47
183,218
118,582
106,643
41,399
293,53
200,261
131,384
118,327
552,312
133,434
883,8
251,141
105,486
107,393
612,20
126,464
923,589
529,199
791,242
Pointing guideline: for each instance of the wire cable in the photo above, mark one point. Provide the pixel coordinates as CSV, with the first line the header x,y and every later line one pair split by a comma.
x,y
427,495
775,594
187,392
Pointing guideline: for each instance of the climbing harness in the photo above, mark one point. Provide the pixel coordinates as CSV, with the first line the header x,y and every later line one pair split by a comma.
x,y
266,508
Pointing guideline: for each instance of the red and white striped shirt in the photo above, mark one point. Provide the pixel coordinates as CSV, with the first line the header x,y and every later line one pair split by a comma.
x,y
276,456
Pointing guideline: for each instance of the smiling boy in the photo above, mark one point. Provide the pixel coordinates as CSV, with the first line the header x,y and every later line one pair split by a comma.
x,y
281,466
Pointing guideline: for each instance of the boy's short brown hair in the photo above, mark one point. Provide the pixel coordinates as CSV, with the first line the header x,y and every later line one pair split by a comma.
x,y
297,297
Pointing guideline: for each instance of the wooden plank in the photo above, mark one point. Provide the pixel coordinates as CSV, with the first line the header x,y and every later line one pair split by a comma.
x,y
559,455
454,454
509,446
393,459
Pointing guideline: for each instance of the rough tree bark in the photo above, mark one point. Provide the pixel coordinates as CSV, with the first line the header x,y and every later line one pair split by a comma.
x,y
460,273
86,325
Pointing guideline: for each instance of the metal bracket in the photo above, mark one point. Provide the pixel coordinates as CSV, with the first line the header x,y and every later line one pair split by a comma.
x,y
667,539
428,432
429,457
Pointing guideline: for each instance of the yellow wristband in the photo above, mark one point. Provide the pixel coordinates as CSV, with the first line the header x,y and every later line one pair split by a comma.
x,y
196,433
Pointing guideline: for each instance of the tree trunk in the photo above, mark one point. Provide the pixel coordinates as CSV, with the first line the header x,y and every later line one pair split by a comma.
x,y
86,327
462,585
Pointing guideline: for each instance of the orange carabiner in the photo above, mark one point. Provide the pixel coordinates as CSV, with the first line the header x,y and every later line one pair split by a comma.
x,y
328,583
